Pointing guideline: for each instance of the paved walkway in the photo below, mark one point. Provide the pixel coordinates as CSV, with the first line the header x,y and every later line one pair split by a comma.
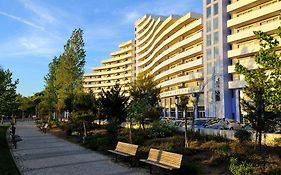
x,y
45,154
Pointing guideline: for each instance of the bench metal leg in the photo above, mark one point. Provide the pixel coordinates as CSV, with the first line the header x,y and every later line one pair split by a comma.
x,y
116,157
150,169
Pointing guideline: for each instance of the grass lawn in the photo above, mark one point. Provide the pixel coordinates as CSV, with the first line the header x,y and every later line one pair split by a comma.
x,y
7,164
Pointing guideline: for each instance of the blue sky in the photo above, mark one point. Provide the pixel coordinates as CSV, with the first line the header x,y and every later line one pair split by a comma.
x,y
34,31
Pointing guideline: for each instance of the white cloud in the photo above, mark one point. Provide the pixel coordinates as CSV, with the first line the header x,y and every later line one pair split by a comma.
x,y
24,21
43,13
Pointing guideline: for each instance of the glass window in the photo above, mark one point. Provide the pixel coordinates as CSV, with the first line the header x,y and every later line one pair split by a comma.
x,y
209,54
209,40
216,9
217,67
216,53
209,26
210,97
209,68
216,23
208,2
208,12
216,37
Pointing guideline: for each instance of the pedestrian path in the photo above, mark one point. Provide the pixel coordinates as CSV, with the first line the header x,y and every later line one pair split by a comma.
x,y
45,154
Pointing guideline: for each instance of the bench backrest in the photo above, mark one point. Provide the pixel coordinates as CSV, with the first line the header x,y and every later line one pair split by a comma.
x,y
127,148
164,157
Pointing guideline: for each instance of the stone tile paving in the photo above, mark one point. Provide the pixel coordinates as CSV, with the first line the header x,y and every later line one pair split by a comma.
x,y
45,154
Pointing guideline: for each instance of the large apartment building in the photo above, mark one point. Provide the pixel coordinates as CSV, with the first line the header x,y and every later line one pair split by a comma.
x,y
245,17
170,49
117,69
193,55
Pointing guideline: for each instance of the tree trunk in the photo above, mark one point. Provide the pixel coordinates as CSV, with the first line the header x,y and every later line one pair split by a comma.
x,y
185,133
84,126
260,137
130,131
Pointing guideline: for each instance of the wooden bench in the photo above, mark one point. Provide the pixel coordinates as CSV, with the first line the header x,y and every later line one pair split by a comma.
x,y
126,150
163,159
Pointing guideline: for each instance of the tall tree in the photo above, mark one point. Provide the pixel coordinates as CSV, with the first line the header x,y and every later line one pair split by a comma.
x,y
263,85
8,95
145,98
50,92
70,69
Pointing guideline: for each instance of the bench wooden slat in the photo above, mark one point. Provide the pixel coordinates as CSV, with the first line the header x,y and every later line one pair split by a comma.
x,y
158,164
127,148
164,159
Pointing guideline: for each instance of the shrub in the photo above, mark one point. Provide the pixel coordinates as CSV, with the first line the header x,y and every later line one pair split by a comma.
x,y
243,135
277,141
240,169
97,142
161,129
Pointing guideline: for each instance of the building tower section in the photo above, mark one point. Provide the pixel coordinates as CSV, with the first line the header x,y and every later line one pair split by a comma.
x,y
218,98
247,16
170,49
117,69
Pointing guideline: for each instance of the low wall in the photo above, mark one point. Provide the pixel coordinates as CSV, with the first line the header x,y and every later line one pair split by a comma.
x,y
267,138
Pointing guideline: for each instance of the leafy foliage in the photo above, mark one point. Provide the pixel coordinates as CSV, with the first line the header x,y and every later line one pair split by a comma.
x,y
240,169
161,129
242,135
8,95
263,86
145,98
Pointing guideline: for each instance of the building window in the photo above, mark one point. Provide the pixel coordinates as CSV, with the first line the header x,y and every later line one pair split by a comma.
x,y
209,26
209,40
216,9
209,68
216,53
217,66
216,23
208,12
209,54
216,37
208,2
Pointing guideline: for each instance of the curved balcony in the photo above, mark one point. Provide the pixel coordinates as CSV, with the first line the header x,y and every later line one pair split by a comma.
x,y
144,24
187,53
118,58
182,67
245,35
122,51
154,41
178,92
188,28
186,78
114,65
237,84
148,30
112,71
243,5
256,15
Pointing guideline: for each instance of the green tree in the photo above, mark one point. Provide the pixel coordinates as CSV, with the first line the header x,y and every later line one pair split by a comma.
x,y
8,95
84,105
70,69
114,104
25,105
263,86
145,99
49,101
182,106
